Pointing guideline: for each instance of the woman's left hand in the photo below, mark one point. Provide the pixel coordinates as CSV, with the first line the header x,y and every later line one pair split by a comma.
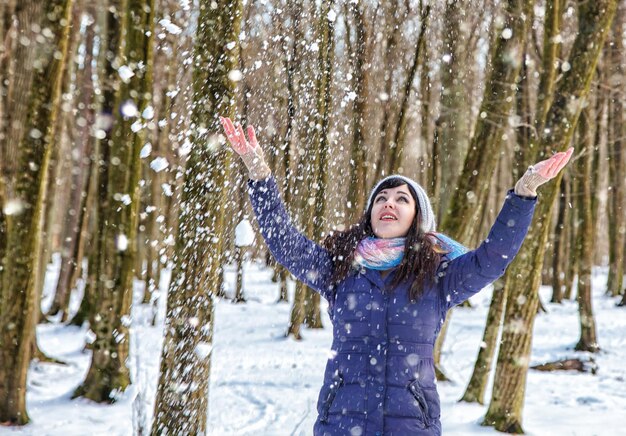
x,y
542,172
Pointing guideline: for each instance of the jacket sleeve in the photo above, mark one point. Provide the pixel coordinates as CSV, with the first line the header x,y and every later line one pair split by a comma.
x,y
306,260
467,274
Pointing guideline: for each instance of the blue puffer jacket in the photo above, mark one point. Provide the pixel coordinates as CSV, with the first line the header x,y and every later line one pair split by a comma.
x,y
381,377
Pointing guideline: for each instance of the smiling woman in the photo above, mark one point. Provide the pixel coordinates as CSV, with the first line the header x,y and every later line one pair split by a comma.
x,y
393,212
389,281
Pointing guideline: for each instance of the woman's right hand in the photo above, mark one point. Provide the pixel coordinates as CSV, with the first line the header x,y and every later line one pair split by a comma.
x,y
248,149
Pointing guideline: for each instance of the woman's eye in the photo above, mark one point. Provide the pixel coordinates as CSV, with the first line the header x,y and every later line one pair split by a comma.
x,y
404,199
380,198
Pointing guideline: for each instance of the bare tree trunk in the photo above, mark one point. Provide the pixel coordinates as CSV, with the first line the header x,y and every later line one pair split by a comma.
x,y
617,162
395,12
426,140
572,265
588,338
296,319
88,238
547,80
468,201
358,169
524,274
315,210
560,244
439,372
182,396
453,128
39,90
467,205
396,153
119,189
80,183
312,315
475,391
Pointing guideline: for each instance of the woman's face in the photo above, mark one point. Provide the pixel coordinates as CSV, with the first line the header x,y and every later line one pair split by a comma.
x,y
393,211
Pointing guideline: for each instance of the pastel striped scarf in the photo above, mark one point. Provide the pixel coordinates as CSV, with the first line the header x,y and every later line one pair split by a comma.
x,y
450,247
384,254
380,254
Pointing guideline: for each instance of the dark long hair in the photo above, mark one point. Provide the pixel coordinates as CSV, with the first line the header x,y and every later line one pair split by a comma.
x,y
421,255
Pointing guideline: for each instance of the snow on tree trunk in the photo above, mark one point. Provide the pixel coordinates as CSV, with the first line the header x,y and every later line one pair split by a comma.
x,y
358,170
182,395
315,204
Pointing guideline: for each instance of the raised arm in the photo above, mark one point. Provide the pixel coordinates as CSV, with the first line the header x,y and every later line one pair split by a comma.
x,y
306,260
469,273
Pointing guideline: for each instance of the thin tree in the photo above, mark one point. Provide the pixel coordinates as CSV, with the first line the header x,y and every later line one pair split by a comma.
x,y
82,163
361,73
617,162
396,153
315,205
588,338
477,385
116,237
453,130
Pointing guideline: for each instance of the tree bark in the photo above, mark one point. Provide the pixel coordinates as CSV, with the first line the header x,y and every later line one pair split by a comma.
x,y
73,222
395,14
182,395
39,89
572,266
524,274
588,338
358,169
453,129
467,204
551,48
296,318
475,391
315,205
396,152
119,207
468,201
560,244
617,161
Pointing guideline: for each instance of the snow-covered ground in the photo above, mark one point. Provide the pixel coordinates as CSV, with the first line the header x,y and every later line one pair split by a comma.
x,y
264,384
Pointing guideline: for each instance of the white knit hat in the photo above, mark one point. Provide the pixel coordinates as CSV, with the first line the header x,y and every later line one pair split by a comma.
x,y
427,223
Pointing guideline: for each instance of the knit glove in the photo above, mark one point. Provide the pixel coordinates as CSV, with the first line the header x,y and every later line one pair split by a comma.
x,y
527,185
249,150
541,172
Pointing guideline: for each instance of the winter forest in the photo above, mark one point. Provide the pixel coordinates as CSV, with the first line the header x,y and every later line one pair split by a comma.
x,y
137,295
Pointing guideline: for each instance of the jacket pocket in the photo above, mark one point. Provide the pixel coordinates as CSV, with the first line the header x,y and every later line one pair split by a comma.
x,y
418,394
335,384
